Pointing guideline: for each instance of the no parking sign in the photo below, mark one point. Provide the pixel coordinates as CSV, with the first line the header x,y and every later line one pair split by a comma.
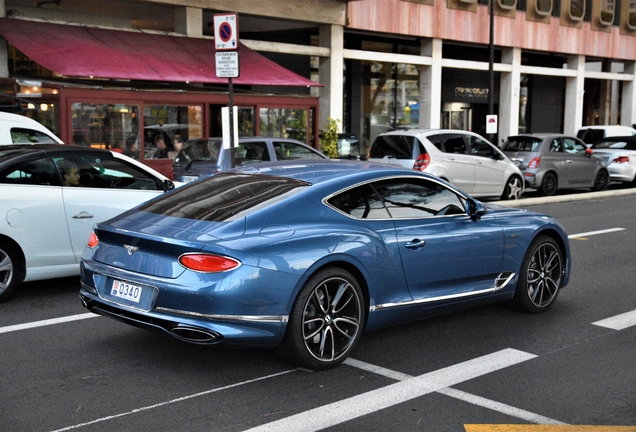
x,y
226,31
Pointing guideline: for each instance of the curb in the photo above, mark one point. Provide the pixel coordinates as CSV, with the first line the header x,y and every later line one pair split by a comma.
x,y
565,198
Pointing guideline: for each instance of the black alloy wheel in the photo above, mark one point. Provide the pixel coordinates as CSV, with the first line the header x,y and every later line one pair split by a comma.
x,y
602,181
541,276
326,321
549,184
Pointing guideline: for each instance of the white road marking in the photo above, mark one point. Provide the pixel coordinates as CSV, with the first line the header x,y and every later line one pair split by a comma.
x,y
618,322
207,392
48,322
458,394
356,406
592,233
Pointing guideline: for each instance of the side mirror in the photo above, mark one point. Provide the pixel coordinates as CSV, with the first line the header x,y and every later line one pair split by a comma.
x,y
168,185
589,151
474,208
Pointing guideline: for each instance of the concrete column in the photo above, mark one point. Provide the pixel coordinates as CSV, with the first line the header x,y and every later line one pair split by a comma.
x,y
331,74
628,108
574,89
188,21
509,94
431,85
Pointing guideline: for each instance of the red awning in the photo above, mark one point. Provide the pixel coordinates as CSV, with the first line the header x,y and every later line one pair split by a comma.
x,y
76,51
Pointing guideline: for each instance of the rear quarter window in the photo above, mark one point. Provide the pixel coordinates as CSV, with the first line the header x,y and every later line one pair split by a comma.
x,y
395,146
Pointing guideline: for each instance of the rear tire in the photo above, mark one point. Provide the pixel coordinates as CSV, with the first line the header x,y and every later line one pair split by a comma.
x,y
326,320
10,269
602,181
549,184
513,189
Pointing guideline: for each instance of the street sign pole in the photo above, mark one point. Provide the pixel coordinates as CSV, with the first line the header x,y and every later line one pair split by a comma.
x,y
227,64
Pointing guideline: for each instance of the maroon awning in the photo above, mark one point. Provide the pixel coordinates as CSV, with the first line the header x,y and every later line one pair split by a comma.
x,y
76,51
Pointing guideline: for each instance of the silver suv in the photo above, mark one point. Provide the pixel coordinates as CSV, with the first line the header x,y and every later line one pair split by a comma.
x,y
462,158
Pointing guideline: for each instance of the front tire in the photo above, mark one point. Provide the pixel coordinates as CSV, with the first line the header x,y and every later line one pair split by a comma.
x,y
326,320
540,277
10,270
513,189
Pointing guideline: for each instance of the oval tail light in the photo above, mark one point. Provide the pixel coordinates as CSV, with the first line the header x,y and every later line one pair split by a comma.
x,y
534,163
422,162
208,263
621,159
92,240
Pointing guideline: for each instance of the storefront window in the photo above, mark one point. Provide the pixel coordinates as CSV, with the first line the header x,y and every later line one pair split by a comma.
x,y
284,123
166,127
107,126
391,99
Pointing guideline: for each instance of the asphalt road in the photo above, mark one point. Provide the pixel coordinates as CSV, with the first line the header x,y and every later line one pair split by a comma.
x,y
62,369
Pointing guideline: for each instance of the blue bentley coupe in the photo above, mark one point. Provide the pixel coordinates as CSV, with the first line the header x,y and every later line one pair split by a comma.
x,y
307,256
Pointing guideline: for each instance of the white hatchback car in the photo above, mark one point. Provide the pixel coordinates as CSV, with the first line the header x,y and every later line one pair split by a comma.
x,y
462,158
18,129
50,198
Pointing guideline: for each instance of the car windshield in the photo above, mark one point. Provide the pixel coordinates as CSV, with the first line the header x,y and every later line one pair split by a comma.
x,y
616,144
224,197
206,150
523,144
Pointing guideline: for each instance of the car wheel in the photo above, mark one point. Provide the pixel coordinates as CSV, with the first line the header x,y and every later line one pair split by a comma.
x,y
513,189
540,277
326,320
602,181
549,184
9,270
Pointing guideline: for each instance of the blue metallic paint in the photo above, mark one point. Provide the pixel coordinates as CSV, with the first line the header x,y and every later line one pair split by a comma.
x,y
281,246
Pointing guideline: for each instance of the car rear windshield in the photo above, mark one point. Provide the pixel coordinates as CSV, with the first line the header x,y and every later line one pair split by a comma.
x,y
616,144
206,150
224,197
394,146
523,144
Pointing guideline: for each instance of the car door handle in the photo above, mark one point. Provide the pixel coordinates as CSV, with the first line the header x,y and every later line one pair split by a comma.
x,y
450,158
416,244
569,161
82,215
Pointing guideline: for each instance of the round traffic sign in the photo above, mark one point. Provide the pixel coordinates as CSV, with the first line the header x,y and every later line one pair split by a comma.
x,y
225,31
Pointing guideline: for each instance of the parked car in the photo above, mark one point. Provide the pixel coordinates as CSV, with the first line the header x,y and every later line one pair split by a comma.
x,y
619,153
553,161
203,157
592,134
462,158
50,197
19,129
307,256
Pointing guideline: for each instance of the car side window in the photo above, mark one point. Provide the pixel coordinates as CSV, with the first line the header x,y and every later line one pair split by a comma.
x,y
450,143
104,173
41,172
572,146
417,198
251,152
290,150
479,147
361,202
555,146
30,136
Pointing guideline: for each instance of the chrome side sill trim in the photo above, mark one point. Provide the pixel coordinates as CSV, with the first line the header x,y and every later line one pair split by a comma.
x,y
502,280
245,318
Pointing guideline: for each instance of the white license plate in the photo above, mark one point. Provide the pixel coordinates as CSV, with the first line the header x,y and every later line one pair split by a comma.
x,y
126,291
189,179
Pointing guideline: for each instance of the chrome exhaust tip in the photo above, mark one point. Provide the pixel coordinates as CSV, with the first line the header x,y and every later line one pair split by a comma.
x,y
195,335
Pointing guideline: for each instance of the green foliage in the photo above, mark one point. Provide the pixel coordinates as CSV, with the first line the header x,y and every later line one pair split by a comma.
x,y
329,140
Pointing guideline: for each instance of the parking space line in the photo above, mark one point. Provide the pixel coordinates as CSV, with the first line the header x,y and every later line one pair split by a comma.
x,y
458,394
356,406
618,322
593,233
146,408
48,322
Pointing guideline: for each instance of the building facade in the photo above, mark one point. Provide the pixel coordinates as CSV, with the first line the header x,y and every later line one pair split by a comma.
x,y
372,65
